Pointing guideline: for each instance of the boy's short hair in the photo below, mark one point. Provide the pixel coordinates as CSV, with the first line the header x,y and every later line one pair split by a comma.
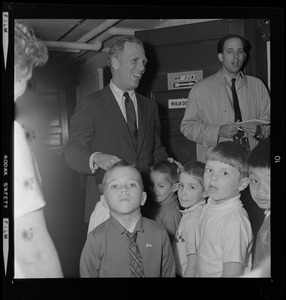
x,y
259,157
167,167
230,153
120,164
195,168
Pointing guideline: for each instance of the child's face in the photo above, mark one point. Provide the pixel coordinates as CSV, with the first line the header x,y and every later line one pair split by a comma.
x,y
123,192
222,181
259,185
162,187
190,190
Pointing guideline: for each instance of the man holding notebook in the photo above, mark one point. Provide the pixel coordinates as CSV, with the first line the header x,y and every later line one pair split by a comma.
x,y
228,105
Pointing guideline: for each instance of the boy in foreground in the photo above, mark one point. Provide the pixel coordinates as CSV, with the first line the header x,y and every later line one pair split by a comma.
x,y
108,251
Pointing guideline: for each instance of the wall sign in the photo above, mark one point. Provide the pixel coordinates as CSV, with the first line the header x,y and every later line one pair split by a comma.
x,y
177,103
183,80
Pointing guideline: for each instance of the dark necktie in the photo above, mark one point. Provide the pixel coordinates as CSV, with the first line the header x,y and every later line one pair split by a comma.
x,y
131,117
136,262
237,115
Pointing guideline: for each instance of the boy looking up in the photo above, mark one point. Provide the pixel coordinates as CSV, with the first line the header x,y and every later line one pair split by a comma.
x,y
106,252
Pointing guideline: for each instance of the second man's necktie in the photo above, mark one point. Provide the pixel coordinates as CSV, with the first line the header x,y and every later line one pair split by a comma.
x,y
131,117
136,262
237,115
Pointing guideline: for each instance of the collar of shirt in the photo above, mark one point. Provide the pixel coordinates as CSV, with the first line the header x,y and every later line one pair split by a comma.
x,y
118,94
230,202
137,225
171,199
267,213
189,209
226,80
134,225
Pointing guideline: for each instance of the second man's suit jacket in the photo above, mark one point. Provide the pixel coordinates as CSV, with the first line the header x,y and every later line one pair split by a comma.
x,y
98,125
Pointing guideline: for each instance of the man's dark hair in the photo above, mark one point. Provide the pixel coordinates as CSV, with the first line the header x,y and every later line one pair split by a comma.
x,y
246,44
259,157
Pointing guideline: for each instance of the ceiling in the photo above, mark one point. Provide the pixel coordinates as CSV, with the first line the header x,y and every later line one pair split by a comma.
x,y
79,39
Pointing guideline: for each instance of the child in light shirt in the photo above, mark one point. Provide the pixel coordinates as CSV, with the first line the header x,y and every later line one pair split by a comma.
x,y
224,228
191,197
101,210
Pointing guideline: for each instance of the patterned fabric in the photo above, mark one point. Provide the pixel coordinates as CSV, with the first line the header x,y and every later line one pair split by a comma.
x,y
187,236
131,117
28,196
136,262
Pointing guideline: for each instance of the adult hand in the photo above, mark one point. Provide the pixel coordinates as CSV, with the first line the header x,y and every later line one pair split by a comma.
x,y
172,160
249,129
105,161
228,130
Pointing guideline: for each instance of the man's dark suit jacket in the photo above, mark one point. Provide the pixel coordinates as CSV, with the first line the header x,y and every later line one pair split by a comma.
x,y
98,125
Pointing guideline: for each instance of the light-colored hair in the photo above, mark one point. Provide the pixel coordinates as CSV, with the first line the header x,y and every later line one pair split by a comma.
x,y
230,153
29,52
195,168
118,46
122,164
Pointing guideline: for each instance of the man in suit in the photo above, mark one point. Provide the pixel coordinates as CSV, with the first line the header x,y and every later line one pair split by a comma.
x,y
100,130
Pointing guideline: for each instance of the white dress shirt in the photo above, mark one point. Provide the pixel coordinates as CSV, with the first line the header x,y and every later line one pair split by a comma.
x,y
118,94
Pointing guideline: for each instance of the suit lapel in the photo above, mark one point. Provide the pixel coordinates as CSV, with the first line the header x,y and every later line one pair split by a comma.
x,y
142,122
